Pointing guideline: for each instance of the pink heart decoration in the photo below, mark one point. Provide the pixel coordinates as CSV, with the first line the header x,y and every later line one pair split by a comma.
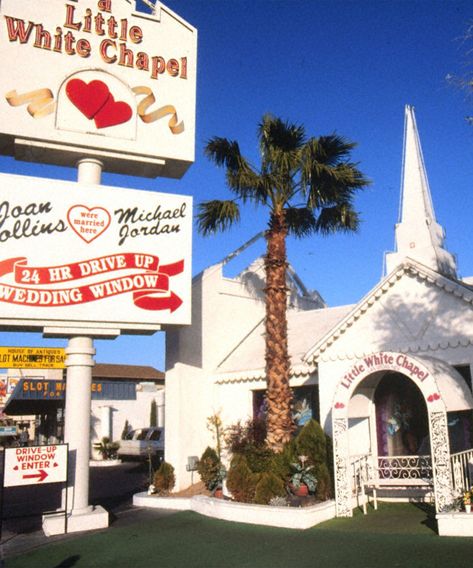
x,y
88,223
433,397
339,405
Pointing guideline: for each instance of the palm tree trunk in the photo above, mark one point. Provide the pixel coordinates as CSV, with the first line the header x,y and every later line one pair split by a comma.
x,y
278,394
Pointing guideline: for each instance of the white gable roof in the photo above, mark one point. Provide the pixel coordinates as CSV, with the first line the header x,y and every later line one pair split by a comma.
x,y
246,361
409,268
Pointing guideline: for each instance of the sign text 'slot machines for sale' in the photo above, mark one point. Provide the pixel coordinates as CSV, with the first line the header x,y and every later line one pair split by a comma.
x,y
78,254
98,78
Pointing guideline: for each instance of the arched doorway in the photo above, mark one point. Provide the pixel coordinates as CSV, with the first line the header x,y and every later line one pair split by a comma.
x,y
401,417
439,385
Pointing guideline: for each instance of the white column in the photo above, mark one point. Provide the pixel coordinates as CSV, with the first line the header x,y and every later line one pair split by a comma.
x,y
89,171
160,402
79,363
106,422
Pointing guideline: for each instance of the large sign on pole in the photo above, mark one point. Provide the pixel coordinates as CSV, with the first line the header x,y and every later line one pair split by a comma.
x,y
35,465
98,78
93,255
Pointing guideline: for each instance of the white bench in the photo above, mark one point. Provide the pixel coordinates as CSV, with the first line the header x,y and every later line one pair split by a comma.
x,y
374,485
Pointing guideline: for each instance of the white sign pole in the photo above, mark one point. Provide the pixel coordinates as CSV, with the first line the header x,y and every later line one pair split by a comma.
x,y
79,362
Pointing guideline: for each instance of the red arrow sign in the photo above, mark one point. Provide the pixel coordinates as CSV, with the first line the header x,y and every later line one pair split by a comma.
x,y
148,302
42,475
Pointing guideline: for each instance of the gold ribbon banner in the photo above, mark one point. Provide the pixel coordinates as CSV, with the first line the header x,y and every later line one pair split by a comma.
x,y
175,126
41,101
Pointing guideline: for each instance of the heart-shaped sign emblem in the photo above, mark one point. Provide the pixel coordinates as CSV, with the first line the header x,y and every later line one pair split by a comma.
x,y
95,101
88,98
113,113
88,223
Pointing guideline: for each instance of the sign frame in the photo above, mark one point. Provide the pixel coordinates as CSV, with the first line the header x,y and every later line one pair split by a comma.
x,y
55,453
59,57
93,259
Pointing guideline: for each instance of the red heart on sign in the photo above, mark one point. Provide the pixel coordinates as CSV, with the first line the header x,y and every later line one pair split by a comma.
x,y
88,223
339,405
16,468
113,113
89,98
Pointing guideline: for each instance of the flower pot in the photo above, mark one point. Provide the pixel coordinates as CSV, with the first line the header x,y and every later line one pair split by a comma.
x,y
218,493
468,508
301,491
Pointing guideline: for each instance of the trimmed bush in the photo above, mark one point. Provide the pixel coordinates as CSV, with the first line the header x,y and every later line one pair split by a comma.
x,y
209,467
241,481
312,442
164,479
268,487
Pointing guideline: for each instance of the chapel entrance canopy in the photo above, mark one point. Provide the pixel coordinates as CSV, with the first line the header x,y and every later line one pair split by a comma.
x,y
443,390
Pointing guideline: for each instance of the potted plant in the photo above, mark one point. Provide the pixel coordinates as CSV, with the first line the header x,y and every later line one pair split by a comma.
x,y
302,480
467,495
107,449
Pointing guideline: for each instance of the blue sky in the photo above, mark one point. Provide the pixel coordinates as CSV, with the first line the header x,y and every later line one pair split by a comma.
x,y
344,66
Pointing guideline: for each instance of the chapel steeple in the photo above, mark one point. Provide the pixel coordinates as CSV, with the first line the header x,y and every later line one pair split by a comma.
x,y
418,235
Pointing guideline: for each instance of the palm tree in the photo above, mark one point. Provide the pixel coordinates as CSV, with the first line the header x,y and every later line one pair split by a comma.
x,y
308,185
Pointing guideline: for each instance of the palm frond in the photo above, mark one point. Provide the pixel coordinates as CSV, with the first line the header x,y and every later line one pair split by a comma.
x,y
217,215
338,218
280,146
300,221
327,177
241,177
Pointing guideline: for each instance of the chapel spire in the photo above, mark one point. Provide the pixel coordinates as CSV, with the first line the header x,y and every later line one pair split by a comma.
x,y
418,235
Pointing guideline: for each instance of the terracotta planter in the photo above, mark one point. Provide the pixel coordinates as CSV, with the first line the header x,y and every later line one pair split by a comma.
x,y
218,493
301,491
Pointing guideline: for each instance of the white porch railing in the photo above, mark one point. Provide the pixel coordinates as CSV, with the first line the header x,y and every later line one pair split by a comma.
x,y
462,470
385,468
404,468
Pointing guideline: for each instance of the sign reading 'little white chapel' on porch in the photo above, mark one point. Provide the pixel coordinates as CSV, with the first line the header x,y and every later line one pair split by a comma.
x,y
382,361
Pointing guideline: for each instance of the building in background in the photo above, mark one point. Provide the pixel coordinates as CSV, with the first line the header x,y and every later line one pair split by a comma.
x,y
121,394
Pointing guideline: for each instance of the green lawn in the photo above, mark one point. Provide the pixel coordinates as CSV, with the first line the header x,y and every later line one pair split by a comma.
x,y
396,535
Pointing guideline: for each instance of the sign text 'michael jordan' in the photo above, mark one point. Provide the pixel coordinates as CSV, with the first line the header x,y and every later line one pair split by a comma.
x,y
378,361
119,37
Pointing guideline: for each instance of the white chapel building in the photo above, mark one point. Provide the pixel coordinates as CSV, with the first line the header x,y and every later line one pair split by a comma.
x,y
389,378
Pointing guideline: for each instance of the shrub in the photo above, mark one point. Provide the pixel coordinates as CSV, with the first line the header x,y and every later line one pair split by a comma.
x,y
106,448
209,468
239,437
241,481
126,429
324,482
268,487
164,479
153,414
312,442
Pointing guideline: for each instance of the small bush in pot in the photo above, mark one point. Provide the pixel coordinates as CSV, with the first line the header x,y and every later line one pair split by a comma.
x,y
106,448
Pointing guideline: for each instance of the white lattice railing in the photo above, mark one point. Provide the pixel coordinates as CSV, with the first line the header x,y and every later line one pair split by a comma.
x,y
404,468
462,470
408,469
360,470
